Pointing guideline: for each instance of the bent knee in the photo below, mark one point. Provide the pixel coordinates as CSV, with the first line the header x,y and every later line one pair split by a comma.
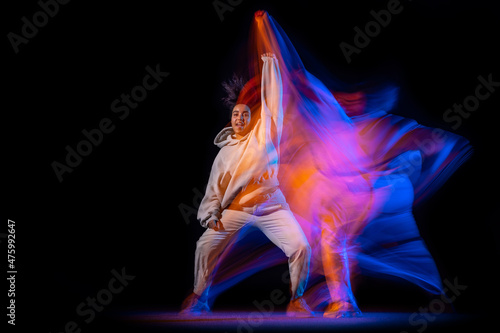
x,y
203,245
301,248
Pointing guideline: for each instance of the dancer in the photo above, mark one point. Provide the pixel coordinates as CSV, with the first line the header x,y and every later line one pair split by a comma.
x,y
243,190
350,179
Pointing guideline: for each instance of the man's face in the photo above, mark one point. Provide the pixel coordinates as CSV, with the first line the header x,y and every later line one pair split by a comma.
x,y
240,119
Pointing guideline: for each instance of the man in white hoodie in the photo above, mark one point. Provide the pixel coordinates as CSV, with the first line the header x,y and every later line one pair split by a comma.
x,y
243,189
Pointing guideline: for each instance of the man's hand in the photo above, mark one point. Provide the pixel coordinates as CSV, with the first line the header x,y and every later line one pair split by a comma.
x,y
260,13
268,55
216,225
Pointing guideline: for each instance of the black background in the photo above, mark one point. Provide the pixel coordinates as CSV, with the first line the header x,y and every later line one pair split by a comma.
x,y
120,206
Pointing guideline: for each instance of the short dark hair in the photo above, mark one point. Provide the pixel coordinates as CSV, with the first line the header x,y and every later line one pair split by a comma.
x,y
232,87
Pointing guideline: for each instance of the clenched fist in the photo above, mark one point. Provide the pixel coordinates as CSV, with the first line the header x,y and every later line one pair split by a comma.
x,y
216,225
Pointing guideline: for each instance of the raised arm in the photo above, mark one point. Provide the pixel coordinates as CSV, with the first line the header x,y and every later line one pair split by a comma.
x,y
272,92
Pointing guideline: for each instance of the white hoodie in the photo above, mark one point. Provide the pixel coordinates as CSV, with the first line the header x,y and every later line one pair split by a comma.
x,y
245,170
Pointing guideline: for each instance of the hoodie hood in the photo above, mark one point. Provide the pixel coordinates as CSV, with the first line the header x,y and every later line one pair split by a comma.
x,y
226,138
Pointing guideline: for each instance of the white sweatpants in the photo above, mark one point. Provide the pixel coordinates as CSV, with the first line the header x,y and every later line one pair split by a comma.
x,y
279,226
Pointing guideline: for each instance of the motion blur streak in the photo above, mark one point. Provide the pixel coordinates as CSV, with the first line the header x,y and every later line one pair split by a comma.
x,y
351,173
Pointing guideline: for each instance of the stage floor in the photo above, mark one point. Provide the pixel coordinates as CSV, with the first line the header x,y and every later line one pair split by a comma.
x,y
249,322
